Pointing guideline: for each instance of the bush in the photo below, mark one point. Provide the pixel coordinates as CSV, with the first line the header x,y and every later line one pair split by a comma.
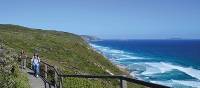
x,y
10,76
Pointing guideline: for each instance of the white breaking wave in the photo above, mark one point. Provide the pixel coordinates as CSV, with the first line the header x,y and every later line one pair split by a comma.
x,y
195,84
167,83
188,70
179,83
129,57
155,67
119,54
162,67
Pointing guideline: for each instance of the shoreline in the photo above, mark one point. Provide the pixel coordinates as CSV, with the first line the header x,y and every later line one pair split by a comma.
x,y
161,69
120,67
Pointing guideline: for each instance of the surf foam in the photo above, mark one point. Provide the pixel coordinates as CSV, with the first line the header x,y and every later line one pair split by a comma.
x,y
162,67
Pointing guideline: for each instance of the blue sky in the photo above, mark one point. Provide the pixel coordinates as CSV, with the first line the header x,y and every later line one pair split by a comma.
x,y
110,19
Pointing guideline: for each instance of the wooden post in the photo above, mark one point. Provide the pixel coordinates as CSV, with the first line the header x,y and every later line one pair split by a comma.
x,y
45,71
123,83
55,77
25,63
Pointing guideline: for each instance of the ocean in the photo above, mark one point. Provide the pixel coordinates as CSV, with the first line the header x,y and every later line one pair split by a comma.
x,y
174,63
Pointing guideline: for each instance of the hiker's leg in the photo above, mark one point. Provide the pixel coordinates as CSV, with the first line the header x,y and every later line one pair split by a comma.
x,y
33,67
37,69
21,63
24,63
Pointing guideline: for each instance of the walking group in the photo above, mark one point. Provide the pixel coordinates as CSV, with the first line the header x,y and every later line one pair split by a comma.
x,y
35,62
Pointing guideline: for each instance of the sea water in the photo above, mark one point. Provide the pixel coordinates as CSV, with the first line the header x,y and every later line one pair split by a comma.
x,y
174,63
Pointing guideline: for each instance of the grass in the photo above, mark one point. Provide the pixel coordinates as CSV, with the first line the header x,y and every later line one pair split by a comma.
x,y
69,52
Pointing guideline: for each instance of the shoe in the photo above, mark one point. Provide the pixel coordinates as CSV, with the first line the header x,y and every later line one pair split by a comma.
x,y
37,76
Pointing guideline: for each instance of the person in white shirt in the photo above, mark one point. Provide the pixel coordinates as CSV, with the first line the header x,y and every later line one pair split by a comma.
x,y
36,64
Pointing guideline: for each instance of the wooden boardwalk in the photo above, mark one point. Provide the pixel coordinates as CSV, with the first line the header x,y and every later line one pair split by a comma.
x,y
33,81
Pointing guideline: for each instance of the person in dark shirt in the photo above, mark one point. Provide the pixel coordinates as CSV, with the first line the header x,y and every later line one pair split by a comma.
x,y
23,58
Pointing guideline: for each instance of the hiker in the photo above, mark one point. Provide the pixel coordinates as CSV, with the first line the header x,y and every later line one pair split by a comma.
x,y
23,58
36,64
34,56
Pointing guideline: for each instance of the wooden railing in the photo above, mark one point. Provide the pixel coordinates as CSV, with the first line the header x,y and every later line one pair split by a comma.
x,y
49,74
53,78
56,78
122,80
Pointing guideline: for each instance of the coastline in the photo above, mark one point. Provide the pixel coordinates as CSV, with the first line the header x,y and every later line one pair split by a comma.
x,y
167,70
120,67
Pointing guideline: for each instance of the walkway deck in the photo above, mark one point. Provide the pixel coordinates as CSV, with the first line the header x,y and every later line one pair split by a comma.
x,y
34,82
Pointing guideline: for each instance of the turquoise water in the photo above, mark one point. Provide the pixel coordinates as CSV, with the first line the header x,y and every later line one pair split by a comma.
x,y
173,63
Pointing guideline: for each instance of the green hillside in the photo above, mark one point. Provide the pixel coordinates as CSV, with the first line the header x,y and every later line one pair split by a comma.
x,y
69,52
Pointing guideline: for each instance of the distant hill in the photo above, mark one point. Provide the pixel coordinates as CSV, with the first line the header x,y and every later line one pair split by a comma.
x,y
90,38
176,39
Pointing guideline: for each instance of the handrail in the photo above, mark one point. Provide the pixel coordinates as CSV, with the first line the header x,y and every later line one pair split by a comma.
x,y
151,85
50,66
56,73
58,78
148,84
